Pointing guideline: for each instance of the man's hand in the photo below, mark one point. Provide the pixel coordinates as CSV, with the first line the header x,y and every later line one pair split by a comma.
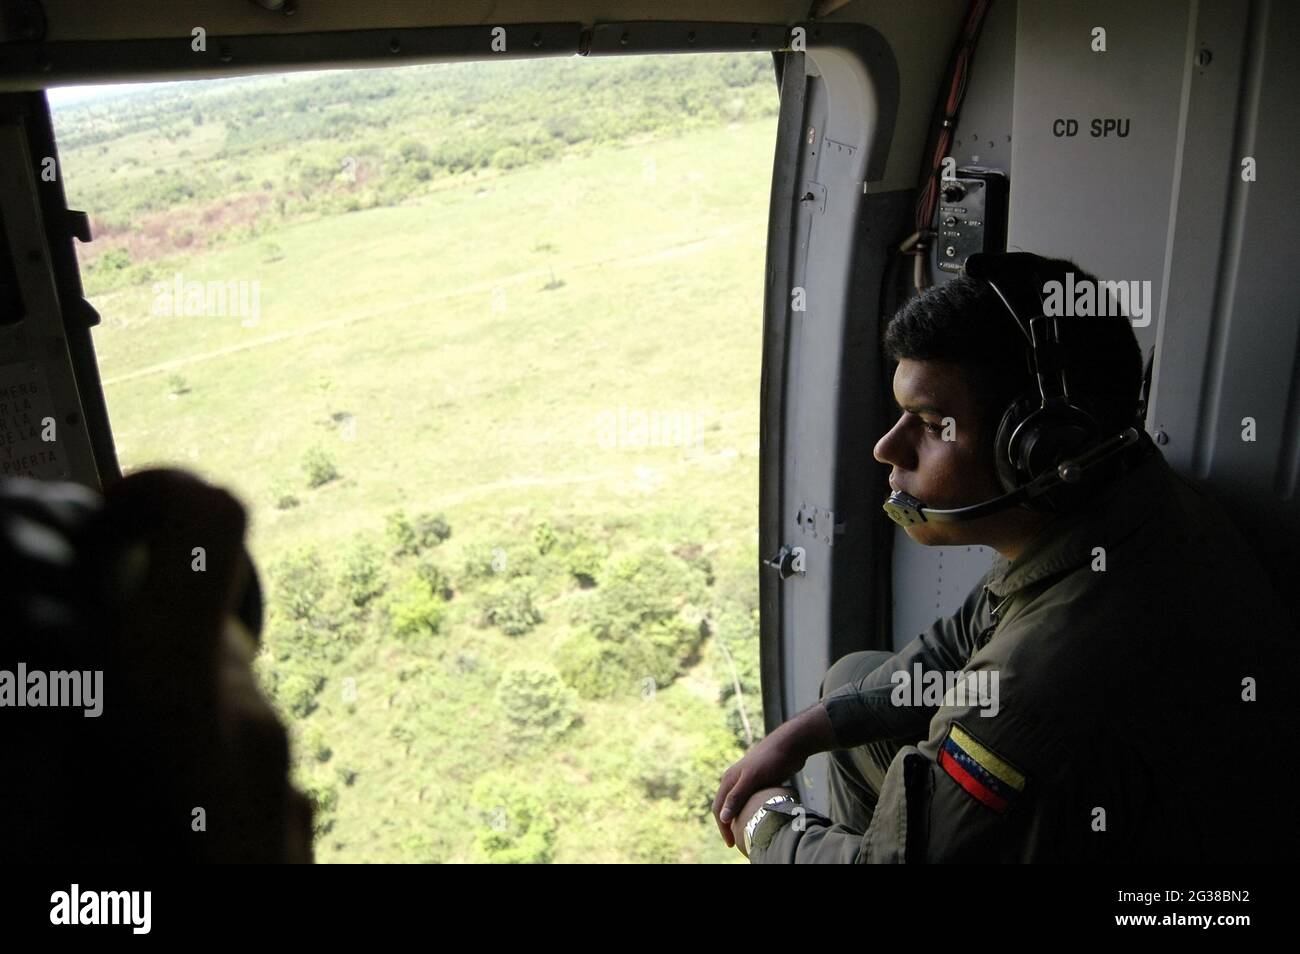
x,y
767,764
753,805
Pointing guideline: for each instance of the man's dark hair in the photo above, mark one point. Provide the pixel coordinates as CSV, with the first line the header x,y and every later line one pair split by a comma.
x,y
964,321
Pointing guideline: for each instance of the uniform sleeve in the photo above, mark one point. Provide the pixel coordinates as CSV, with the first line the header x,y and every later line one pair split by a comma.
x,y
982,788
865,711
799,835
979,789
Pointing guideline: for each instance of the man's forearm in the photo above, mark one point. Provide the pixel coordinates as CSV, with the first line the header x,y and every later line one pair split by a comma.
x,y
808,733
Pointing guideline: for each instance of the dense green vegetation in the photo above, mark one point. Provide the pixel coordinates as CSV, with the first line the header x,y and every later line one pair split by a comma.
x,y
189,165
498,632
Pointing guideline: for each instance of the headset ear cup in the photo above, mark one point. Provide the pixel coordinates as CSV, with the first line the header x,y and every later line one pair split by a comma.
x,y
1032,440
1049,438
1006,456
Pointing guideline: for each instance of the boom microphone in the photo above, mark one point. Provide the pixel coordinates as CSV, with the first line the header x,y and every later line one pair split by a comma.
x,y
905,510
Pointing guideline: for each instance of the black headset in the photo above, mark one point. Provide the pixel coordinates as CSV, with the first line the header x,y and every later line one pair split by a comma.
x,y
1048,449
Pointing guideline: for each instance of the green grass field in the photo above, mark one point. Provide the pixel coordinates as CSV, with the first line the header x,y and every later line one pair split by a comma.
x,y
420,348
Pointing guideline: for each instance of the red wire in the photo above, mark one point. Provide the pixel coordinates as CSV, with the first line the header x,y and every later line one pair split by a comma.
x,y
956,90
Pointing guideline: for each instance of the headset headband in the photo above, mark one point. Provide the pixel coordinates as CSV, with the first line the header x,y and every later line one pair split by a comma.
x,y
1042,334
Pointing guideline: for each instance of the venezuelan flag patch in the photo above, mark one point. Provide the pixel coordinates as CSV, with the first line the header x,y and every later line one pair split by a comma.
x,y
988,777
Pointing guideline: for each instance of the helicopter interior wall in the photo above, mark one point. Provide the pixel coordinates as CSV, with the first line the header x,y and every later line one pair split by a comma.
x,y
1226,391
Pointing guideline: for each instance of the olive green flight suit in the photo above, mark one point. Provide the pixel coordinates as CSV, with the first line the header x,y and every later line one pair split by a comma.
x,y
1143,668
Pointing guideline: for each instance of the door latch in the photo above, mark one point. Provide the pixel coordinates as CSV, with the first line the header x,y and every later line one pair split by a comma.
x,y
788,561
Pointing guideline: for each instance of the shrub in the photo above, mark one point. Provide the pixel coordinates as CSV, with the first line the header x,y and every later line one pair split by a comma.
x,y
508,605
693,556
431,529
544,538
324,797
541,151
584,561
401,535
681,771
409,538
412,151
362,577
602,667
659,763
485,561
536,701
113,260
432,574
314,744
311,641
645,586
403,733
594,667
516,826
508,157
642,624
345,774
319,467
300,582
282,495
414,610
296,692
655,837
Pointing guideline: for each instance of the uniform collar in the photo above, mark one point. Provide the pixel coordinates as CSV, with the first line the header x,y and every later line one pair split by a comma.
x,y
1068,540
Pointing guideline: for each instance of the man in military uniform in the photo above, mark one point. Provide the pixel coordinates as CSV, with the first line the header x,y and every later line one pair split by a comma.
x,y
1138,659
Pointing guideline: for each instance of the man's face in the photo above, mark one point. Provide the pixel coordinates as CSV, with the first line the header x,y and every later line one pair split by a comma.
x,y
941,473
